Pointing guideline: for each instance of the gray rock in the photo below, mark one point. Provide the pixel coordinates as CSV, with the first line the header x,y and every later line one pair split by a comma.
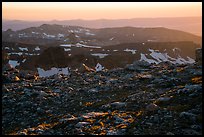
x,y
198,54
112,132
190,132
169,133
118,120
152,107
57,90
138,66
156,119
118,104
81,124
93,90
196,127
188,115
163,99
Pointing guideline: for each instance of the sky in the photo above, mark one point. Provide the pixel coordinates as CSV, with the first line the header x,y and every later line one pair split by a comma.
x,y
35,11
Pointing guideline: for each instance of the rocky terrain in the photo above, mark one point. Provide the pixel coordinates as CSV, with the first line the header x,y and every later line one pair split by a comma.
x,y
31,56
138,99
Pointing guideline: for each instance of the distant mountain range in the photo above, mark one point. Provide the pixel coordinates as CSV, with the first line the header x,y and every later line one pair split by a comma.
x,y
188,24
63,34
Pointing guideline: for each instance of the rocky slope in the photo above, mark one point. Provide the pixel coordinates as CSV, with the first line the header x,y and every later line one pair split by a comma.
x,y
31,56
139,99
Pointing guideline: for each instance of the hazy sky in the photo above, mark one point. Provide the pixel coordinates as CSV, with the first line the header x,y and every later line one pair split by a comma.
x,y
98,10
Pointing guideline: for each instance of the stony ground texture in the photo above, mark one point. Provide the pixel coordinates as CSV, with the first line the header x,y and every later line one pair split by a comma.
x,y
140,99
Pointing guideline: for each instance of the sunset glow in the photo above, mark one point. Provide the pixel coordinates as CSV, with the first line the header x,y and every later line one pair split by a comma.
x,y
97,10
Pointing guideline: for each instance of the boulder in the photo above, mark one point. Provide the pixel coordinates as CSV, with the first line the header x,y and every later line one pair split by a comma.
x,y
198,54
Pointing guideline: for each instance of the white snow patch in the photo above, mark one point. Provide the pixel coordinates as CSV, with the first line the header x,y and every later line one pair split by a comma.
x,y
67,49
22,35
22,49
151,40
31,54
19,53
13,63
88,33
37,48
49,36
115,50
66,39
144,58
60,35
34,32
160,57
66,45
100,55
130,50
111,38
86,46
53,71
99,67
190,60
6,48
23,60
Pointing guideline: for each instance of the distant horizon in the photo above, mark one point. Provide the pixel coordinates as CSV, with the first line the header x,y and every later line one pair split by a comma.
x,y
100,19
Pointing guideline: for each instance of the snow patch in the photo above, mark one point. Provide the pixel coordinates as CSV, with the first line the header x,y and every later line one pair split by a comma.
x,y
19,53
88,33
13,63
66,45
67,49
49,36
60,35
144,58
22,49
23,60
164,57
99,67
52,71
100,55
111,38
86,46
130,50
37,48
34,32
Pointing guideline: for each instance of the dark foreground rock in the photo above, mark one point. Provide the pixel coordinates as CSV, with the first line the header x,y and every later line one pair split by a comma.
x,y
164,99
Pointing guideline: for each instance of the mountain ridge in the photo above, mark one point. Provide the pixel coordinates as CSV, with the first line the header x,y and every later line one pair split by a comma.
x,y
189,24
47,33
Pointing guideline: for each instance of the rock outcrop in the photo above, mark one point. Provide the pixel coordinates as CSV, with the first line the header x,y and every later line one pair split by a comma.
x,y
198,53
